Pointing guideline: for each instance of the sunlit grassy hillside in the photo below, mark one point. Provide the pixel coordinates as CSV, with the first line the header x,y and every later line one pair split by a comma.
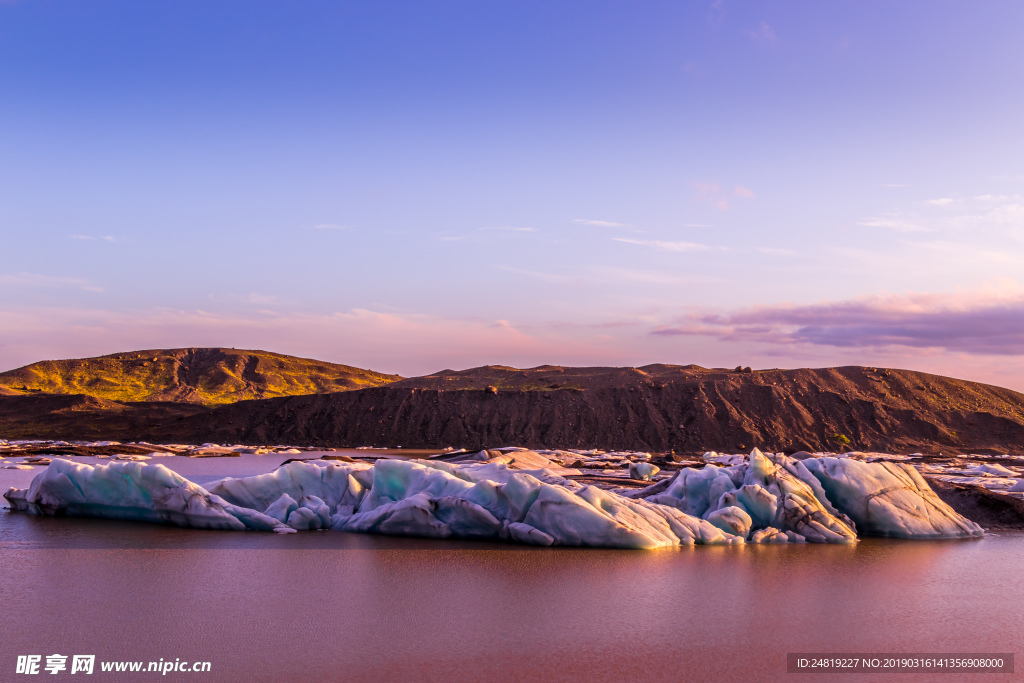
x,y
206,376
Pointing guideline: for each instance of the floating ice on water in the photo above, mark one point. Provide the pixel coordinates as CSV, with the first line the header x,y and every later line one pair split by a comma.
x,y
997,470
761,500
888,499
642,470
131,490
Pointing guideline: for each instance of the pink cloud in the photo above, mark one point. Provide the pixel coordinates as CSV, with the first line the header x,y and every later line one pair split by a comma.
x,y
711,193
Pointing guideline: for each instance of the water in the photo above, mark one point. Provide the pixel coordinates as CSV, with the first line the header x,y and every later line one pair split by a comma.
x,y
326,606
336,606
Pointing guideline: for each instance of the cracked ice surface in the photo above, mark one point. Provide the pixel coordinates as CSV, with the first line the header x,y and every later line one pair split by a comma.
x,y
762,499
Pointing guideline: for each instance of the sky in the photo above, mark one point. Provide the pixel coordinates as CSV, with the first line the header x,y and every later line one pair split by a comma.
x,y
413,186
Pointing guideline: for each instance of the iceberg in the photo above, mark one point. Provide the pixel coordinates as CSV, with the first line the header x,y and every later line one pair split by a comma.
x,y
765,499
132,490
888,499
781,494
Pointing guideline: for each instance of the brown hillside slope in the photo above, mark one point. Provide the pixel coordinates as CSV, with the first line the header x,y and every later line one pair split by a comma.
x,y
203,376
656,407
74,416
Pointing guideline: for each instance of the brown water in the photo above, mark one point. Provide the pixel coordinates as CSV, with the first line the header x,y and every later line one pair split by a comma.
x,y
334,606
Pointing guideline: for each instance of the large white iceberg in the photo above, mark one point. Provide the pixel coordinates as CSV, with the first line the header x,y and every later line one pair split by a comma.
x,y
762,500
889,499
782,495
132,490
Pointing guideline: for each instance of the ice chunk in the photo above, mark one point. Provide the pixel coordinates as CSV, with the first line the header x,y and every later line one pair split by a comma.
x,y
524,533
132,490
327,480
642,470
732,520
888,499
281,508
694,491
412,516
997,470
769,535
304,519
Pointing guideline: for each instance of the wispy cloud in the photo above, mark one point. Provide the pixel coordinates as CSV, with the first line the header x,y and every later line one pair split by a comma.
x,y
992,213
39,281
331,226
716,13
103,238
560,278
264,299
710,193
481,233
763,34
600,224
989,321
776,251
611,274
892,223
718,197
665,246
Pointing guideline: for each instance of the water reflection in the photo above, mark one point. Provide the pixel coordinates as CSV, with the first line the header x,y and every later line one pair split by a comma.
x,y
332,606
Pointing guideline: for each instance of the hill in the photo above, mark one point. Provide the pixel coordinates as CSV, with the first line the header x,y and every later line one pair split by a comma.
x,y
656,407
201,376
184,396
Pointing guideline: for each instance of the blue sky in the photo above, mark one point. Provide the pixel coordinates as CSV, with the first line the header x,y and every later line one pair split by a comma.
x,y
409,186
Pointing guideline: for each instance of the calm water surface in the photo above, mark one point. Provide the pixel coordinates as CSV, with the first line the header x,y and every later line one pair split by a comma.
x,y
332,606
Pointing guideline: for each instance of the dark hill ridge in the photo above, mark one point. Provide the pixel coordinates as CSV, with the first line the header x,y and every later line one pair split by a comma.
x,y
655,407
203,376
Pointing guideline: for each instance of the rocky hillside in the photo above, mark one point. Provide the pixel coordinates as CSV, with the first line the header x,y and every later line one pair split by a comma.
x,y
202,376
656,407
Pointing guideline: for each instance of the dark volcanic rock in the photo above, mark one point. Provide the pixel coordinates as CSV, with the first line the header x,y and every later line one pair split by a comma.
x,y
994,511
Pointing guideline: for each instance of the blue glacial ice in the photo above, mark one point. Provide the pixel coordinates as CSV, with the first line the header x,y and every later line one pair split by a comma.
x,y
763,499
888,499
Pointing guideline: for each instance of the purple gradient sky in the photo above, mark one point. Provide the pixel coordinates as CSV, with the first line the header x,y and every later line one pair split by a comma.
x,y
410,186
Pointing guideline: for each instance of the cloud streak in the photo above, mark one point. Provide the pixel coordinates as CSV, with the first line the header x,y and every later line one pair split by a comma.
x,y
39,281
600,224
979,323
665,246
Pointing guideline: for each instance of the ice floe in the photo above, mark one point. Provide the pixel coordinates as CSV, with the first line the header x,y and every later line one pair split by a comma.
x,y
520,496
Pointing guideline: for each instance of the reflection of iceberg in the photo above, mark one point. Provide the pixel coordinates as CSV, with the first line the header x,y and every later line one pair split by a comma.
x,y
762,500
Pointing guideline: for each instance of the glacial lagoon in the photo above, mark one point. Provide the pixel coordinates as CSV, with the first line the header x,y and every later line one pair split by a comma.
x,y
342,606
338,605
